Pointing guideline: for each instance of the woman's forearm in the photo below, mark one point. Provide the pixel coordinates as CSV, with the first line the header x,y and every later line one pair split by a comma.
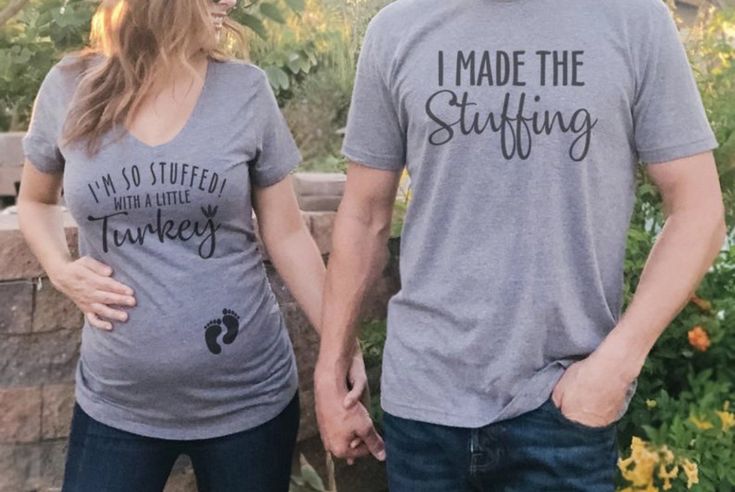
x,y
42,227
298,261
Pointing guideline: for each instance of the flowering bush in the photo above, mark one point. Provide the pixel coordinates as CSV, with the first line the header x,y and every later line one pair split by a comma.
x,y
679,433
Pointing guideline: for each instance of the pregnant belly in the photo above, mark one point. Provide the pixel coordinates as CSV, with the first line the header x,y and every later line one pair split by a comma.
x,y
184,354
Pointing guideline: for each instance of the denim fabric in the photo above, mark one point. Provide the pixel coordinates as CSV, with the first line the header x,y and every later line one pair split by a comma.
x,y
541,450
102,458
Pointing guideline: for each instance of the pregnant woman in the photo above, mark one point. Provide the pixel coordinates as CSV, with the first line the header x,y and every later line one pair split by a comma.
x,y
164,147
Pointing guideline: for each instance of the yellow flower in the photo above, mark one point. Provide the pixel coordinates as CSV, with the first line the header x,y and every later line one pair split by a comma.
x,y
728,420
651,404
667,454
691,471
643,462
667,476
700,424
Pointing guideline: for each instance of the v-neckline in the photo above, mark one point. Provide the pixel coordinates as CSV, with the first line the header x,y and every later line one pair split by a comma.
x,y
189,121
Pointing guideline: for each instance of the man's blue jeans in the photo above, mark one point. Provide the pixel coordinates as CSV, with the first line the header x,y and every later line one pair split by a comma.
x,y
541,450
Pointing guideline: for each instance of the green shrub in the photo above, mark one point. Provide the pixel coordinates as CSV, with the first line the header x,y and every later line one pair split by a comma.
x,y
682,406
36,38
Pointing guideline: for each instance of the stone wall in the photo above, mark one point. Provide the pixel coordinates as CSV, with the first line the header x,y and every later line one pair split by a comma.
x,y
39,348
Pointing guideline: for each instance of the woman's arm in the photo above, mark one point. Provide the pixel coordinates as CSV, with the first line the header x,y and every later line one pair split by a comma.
x,y
85,281
297,259
290,246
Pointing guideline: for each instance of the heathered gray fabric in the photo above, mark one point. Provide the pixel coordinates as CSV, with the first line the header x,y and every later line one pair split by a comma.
x,y
513,244
179,231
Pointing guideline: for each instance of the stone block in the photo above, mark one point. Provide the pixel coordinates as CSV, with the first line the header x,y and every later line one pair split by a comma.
x,y
17,306
322,224
9,177
316,203
20,414
19,466
53,459
11,149
58,405
322,184
53,310
182,478
17,260
39,358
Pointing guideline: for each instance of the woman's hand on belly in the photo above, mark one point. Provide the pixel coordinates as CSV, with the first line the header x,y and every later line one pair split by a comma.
x,y
88,283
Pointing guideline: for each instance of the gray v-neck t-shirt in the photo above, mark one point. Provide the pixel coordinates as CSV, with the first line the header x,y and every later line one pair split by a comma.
x,y
521,124
205,352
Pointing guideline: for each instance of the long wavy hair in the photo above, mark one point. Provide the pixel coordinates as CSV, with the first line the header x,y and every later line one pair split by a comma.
x,y
141,42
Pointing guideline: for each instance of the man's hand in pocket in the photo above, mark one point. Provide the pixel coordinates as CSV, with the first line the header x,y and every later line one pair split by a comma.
x,y
593,391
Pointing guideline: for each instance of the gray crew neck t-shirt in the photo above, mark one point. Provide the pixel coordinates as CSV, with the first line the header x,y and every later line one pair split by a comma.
x,y
521,125
205,352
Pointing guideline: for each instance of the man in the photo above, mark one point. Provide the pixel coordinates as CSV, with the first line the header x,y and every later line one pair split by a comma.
x,y
521,122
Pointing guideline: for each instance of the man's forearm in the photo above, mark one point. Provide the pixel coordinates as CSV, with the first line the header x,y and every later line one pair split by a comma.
x,y
358,254
684,251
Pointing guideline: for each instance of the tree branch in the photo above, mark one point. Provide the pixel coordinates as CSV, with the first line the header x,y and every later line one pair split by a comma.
x,y
9,11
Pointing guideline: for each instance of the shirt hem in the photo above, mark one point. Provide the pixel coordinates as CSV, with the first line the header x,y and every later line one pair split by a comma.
x,y
40,160
373,161
440,417
99,410
678,151
268,179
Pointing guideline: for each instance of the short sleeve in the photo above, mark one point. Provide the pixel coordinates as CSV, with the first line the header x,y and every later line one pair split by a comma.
x,y
40,143
277,153
375,135
669,118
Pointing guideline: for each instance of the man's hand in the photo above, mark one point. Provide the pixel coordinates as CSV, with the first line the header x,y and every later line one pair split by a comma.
x,y
593,391
346,431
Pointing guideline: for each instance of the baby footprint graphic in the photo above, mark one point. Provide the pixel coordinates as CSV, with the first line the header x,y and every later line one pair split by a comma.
x,y
232,322
211,332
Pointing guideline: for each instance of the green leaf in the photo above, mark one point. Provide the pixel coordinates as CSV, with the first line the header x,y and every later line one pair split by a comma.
x,y
312,478
255,24
278,78
296,5
272,11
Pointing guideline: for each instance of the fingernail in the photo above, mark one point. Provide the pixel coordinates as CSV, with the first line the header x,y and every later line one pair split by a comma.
x,y
381,455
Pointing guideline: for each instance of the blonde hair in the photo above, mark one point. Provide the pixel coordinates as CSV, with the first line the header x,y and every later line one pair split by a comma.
x,y
141,41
